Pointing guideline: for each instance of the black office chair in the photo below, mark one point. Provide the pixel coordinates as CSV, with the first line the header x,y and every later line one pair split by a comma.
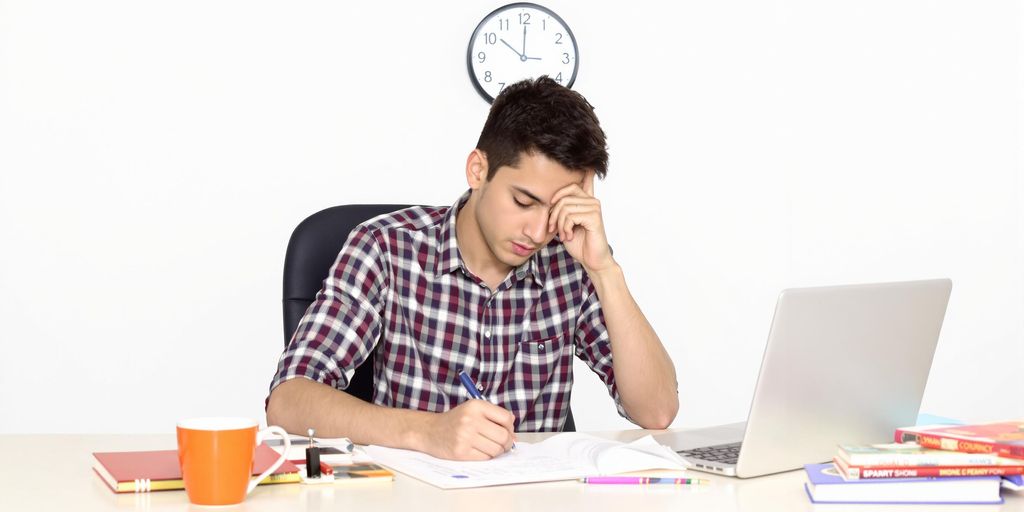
x,y
312,249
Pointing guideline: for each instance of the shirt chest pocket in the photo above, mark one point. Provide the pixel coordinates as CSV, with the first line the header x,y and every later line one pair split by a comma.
x,y
538,360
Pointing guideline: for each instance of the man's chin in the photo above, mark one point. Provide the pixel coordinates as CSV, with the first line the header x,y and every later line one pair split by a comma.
x,y
514,260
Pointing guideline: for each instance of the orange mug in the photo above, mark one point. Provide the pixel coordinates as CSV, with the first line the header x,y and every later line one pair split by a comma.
x,y
216,457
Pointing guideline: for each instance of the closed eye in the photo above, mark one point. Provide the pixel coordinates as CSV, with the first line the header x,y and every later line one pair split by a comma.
x,y
521,204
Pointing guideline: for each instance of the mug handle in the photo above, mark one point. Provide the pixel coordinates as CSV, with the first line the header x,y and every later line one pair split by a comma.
x,y
280,460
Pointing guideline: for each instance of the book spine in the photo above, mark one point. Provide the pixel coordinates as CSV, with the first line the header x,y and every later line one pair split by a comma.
x,y
281,478
931,459
873,472
944,442
144,485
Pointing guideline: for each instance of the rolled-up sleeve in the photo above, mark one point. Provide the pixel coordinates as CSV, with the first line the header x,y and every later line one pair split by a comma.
x,y
593,346
341,327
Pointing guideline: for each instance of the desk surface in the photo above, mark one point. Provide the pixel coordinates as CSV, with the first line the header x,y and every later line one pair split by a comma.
x,y
53,472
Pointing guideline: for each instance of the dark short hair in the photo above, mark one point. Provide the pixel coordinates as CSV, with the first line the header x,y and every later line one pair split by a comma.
x,y
540,115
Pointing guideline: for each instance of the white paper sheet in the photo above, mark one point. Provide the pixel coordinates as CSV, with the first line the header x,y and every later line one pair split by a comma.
x,y
561,457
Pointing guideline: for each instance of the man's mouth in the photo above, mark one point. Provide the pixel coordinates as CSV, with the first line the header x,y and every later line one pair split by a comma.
x,y
521,249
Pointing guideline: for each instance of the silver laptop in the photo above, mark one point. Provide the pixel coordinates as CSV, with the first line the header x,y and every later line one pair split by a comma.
x,y
843,364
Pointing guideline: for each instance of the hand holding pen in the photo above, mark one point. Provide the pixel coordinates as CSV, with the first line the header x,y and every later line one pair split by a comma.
x,y
474,430
470,386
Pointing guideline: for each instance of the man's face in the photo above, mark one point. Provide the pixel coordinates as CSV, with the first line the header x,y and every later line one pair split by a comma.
x,y
512,208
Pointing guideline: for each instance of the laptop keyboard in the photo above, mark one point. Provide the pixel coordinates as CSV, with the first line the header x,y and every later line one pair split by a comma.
x,y
722,453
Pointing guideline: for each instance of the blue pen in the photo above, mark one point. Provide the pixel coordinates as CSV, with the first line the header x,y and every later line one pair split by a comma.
x,y
470,386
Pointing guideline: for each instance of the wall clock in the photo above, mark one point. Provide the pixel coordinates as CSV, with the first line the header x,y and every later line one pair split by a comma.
x,y
518,41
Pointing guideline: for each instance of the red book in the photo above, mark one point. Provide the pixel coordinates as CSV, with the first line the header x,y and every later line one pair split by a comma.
x,y
159,470
1004,438
850,472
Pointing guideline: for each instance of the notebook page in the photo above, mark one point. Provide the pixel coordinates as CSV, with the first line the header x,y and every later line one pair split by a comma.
x,y
561,457
642,454
527,463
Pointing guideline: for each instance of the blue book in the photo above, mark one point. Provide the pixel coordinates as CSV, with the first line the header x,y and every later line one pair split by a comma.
x,y
825,485
1014,482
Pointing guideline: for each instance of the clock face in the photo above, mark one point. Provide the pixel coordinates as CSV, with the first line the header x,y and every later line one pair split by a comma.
x,y
519,41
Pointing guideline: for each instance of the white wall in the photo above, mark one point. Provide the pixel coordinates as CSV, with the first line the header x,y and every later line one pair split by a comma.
x,y
154,157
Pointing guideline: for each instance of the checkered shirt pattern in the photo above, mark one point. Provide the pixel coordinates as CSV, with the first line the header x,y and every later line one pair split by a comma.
x,y
399,287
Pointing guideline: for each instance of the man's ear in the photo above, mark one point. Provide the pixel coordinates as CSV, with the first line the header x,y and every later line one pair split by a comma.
x,y
476,169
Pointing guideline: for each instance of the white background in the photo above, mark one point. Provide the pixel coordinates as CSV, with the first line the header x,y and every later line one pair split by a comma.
x,y
155,156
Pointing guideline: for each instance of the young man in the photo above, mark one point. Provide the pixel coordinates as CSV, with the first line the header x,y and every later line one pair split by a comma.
x,y
508,284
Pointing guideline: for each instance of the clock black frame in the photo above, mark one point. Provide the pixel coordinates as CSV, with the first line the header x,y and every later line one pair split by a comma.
x,y
469,48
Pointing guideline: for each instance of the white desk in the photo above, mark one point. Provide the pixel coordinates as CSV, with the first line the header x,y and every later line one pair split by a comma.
x,y
54,472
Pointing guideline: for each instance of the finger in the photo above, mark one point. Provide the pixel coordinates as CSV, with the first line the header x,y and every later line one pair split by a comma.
x,y
499,440
567,227
570,219
477,454
467,444
571,193
488,446
588,183
556,214
501,416
569,190
582,219
504,419
571,204
496,427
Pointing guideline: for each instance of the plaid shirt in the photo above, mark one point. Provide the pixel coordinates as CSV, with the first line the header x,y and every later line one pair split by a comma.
x,y
401,288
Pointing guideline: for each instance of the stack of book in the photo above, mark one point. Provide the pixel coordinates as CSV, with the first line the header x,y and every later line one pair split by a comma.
x,y
927,464
145,471
160,470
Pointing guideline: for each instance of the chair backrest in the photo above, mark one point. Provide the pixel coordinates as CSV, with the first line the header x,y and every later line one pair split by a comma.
x,y
312,250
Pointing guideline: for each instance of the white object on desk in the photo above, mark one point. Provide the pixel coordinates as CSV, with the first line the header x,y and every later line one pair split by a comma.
x,y
335,451
843,364
561,457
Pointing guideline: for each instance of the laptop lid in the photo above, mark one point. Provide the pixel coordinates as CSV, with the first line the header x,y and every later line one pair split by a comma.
x,y
843,364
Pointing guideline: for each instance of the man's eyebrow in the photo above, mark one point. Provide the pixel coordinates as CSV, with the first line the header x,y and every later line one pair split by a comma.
x,y
528,194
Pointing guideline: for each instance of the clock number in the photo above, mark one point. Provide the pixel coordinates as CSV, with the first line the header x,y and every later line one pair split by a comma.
x,y
481,57
487,76
502,88
522,20
558,39
544,24
565,58
503,24
558,78
490,38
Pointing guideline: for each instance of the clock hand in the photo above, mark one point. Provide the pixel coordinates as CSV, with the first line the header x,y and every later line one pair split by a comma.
x,y
524,40
521,56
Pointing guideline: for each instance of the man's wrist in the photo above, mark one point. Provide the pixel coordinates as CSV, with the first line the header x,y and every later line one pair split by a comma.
x,y
417,430
607,275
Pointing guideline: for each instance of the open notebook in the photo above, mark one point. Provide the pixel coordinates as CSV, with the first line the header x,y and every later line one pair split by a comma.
x,y
561,457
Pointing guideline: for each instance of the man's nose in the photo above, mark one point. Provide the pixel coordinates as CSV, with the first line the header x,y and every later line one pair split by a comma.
x,y
537,228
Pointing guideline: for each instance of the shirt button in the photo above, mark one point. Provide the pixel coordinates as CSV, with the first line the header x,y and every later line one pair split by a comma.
x,y
540,346
487,334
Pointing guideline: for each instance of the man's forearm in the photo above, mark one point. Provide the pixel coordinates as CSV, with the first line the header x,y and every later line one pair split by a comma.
x,y
300,404
644,373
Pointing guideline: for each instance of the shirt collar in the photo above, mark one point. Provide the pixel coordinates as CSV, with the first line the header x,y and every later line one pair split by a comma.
x,y
449,258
